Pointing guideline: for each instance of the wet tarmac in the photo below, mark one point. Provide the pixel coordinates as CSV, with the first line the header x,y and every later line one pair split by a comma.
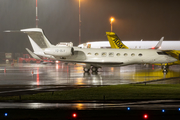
x,y
20,78
97,105
68,75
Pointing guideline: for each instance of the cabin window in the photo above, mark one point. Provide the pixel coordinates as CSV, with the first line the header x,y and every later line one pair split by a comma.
x,y
103,54
118,54
162,53
132,54
89,54
96,54
111,54
125,54
140,54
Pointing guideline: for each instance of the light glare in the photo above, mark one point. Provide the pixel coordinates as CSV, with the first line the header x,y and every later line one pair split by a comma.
x,y
145,116
74,115
112,19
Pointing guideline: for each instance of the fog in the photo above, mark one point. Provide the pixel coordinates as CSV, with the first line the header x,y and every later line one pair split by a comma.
x,y
134,20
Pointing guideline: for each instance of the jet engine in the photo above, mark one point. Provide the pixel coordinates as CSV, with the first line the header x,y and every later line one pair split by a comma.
x,y
59,51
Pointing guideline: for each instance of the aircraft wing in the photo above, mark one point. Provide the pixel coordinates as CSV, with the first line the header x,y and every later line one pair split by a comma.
x,y
92,63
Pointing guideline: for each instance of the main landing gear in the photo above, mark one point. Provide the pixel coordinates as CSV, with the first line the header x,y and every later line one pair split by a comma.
x,y
93,69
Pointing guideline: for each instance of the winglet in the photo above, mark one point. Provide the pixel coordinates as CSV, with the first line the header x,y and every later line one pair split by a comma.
x,y
159,43
114,41
33,55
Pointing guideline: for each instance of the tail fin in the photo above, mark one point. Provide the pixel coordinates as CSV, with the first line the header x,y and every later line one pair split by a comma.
x,y
114,41
37,35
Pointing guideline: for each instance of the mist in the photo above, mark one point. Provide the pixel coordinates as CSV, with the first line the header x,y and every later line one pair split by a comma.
x,y
134,20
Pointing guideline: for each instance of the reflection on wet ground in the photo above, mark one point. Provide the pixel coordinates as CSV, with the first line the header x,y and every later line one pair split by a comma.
x,y
95,105
61,74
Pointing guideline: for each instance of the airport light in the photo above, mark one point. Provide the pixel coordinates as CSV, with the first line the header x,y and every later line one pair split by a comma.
x,y
79,21
179,109
5,114
36,14
145,116
163,110
128,108
111,21
74,115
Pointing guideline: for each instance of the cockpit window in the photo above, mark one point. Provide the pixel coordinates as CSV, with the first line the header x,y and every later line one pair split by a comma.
x,y
162,53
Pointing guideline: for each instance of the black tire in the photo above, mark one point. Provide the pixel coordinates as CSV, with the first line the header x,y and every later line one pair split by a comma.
x,y
94,69
86,69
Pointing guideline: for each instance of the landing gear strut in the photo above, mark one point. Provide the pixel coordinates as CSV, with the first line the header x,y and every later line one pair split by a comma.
x,y
165,67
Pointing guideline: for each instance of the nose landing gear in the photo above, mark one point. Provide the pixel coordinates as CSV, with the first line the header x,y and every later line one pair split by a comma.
x,y
165,67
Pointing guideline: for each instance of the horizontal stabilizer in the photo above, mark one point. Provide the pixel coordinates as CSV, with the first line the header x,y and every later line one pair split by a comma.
x,y
37,35
12,31
33,55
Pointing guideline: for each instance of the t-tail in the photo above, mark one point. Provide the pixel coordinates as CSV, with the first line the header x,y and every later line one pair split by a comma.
x,y
114,41
42,46
37,38
38,41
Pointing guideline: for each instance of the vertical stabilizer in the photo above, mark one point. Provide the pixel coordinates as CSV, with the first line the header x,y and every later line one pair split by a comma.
x,y
37,35
114,41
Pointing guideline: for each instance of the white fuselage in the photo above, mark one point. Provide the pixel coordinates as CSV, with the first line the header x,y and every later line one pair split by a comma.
x,y
166,45
117,57
94,57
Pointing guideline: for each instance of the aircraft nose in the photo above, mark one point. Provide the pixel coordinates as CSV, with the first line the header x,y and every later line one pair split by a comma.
x,y
172,59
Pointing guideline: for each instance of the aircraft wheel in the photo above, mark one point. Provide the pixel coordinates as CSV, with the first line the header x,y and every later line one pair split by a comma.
x,y
165,67
94,69
86,69
165,71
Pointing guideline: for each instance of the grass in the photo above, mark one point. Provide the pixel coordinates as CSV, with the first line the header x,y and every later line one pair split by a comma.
x,y
114,92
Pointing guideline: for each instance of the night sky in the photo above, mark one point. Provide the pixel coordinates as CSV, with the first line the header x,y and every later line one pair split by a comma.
x,y
134,20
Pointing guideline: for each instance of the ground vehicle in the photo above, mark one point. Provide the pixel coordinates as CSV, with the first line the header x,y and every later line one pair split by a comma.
x,y
27,59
